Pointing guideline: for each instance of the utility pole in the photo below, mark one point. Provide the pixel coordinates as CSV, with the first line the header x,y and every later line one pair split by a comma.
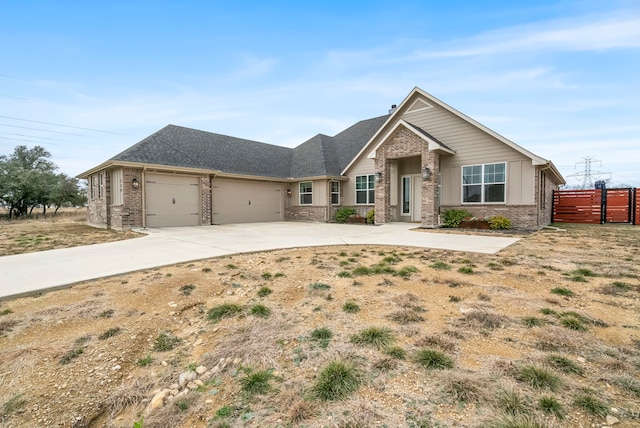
x,y
588,175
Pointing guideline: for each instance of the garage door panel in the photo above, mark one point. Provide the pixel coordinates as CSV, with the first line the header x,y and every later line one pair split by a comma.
x,y
246,202
172,200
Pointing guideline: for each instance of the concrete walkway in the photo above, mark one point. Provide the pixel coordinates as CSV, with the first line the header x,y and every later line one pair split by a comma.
x,y
28,273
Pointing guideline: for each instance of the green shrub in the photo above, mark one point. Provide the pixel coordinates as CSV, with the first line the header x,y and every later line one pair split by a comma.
x,y
319,286
260,311
342,214
564,364
225,310
539,378
551,406
351,307
321,333
453,218
498,222
143,362
439,265
256,382
591,404
336,381
380,337
165,342
264,291
371,217
109,333
433,359
563,291
396,352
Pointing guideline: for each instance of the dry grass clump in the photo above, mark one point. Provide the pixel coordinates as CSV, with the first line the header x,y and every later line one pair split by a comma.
x,y
301,411
437,341
241,341
483,319
466,387
174,413
405,316
558,339
127,395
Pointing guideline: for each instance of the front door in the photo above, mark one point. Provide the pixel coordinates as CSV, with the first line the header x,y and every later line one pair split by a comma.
x,y
411,197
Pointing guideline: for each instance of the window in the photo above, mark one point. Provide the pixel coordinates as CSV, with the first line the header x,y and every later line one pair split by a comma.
x,y
365,185
306,193
116,187
101,185
335,193
406,195
484,183
92,187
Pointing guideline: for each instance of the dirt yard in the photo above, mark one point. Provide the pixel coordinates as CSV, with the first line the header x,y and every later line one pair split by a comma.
x,y
63,230
544,334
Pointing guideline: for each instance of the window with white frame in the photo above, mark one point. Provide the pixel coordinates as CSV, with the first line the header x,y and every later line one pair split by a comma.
x,y
306,193
101,185
365,189
484,183
335,193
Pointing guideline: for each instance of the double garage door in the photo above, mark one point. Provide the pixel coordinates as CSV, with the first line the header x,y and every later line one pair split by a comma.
x,y
236,201
174,200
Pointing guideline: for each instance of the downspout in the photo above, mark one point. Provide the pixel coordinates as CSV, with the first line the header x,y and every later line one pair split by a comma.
x,y
144,198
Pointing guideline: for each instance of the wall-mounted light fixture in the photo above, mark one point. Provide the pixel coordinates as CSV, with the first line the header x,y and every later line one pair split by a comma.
x,y
378,176
135,183
289,191
426,173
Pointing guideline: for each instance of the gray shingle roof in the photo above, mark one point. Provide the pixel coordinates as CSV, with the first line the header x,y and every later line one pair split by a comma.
x,y
185,147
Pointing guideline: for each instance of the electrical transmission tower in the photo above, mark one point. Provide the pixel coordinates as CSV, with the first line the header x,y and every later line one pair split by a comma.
x,y
588,175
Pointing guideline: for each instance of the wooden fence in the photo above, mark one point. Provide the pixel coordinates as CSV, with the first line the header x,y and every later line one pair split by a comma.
x,y
596,206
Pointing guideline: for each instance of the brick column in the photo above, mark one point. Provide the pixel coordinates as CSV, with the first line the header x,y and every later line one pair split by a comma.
x,y
383,189
430,198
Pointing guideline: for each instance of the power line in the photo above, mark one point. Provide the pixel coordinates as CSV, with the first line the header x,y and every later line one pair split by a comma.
x,y
22,139
40,129
64,126
31,136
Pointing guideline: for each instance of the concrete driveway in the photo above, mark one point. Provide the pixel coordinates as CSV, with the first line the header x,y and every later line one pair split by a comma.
x,y
28,273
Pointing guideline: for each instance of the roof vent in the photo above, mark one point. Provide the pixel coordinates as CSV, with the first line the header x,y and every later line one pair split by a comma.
x,y
393,108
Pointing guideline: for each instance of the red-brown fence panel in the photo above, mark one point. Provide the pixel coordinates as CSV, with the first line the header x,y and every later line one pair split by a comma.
x,y
636,202
577,206
619,205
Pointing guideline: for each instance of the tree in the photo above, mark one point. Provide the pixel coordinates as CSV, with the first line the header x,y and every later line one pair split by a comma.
x,y
66,192
28,179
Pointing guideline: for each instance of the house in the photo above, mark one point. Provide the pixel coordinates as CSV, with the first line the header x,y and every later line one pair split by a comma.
x,y
410,165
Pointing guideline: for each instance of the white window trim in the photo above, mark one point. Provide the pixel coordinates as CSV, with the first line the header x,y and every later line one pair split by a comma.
x,y
300,193
331,192
356,190
482,184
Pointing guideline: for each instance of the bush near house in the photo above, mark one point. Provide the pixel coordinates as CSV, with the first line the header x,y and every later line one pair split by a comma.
x,y
371,217
499,222
453,218
343,214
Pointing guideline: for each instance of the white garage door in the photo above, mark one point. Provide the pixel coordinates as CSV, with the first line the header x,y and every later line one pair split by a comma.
x,y
246,202
172,200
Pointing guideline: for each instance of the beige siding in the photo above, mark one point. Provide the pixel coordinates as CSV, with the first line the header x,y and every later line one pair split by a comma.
x,y
117,193
364,166
473,147
319,188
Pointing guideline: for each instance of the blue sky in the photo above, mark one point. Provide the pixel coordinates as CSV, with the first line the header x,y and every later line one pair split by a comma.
x,y
557,77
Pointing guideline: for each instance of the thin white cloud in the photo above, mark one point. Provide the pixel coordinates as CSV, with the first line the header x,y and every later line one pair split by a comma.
x,y
591,33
